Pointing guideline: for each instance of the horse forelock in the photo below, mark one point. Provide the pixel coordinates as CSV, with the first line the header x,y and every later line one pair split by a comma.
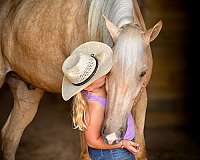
x,y
119,12
129,49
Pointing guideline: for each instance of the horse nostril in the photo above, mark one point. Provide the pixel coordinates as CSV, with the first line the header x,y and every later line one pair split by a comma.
x,y
121,131
103,130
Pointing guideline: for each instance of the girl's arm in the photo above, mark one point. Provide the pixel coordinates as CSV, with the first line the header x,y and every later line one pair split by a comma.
x,y
94,119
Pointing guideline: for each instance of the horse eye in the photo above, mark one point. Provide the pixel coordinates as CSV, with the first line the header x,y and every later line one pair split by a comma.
x,y
142,74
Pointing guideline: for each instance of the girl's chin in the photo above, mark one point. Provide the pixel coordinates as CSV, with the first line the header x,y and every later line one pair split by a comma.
x,y
96,87
100,85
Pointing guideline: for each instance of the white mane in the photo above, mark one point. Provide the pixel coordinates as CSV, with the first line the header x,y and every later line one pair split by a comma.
x,y
119,12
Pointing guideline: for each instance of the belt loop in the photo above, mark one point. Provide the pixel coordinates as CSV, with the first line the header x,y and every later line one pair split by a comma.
x,y
102,153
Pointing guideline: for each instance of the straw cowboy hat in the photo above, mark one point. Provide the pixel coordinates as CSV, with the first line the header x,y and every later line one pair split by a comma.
x,y
87,63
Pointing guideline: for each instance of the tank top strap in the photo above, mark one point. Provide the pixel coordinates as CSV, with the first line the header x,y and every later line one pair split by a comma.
x,y
92,97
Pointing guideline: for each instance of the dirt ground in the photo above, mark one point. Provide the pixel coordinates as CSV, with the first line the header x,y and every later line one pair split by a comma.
x,y
51,137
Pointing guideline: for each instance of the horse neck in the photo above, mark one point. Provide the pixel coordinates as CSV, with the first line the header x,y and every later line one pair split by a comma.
x,y
119,12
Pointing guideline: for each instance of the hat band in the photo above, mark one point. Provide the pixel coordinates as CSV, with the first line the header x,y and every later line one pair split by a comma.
x,y
92,74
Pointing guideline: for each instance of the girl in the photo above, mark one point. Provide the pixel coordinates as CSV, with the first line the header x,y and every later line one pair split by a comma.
x,y
84,76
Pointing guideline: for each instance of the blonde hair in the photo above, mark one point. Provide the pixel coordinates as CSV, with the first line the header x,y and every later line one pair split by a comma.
x,y
80,106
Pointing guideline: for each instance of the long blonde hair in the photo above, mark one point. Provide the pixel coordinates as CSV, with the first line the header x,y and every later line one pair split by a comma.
x,y
80,106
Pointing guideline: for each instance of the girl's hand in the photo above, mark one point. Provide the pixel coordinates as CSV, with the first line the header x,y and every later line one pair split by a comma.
x,y
130,145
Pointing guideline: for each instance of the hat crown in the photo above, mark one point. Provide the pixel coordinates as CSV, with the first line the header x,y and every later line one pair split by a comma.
x,y
82,66
87,63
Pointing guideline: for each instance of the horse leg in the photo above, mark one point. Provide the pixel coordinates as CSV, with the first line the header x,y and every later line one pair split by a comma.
x,y
139,112
2,70
84,148
2,78
25,107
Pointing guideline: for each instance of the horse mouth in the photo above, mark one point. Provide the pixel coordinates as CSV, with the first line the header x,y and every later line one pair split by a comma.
x,y
112,138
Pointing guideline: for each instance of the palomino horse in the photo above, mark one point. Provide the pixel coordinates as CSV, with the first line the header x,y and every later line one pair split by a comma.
x,y
38,35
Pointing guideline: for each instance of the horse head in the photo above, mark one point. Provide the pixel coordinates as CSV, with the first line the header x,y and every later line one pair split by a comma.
x,y
129,74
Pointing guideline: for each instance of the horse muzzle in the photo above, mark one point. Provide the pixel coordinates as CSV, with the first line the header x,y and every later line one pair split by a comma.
x,y
114,137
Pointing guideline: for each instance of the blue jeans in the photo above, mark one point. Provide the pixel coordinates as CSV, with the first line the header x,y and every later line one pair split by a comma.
x,y
110,154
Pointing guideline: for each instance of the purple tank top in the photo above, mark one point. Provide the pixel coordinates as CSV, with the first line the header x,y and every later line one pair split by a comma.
x,y
130,132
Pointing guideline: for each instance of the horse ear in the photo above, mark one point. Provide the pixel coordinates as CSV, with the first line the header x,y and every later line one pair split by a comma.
x,y
152,33
138,18
113,30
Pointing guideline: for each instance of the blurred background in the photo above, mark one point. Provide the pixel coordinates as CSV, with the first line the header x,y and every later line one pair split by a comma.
x,y
172,118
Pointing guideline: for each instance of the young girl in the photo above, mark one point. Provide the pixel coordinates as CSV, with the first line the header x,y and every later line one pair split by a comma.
x,y
90,99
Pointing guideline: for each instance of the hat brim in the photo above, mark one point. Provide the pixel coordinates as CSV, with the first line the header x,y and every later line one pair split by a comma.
x,y
103,53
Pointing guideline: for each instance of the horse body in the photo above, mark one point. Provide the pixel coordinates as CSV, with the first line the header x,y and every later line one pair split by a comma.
x,y
38,35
